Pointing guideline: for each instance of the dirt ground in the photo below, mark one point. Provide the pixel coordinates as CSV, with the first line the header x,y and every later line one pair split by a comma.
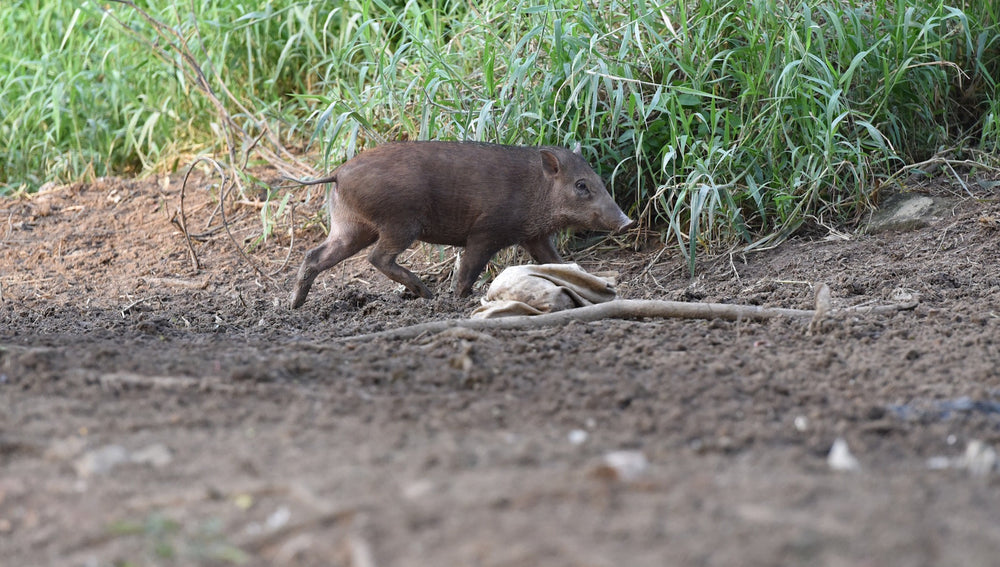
x,y
154,414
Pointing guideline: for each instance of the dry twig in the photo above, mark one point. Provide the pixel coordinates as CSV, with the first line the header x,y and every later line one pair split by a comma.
x,y
183,223
291,241
169,41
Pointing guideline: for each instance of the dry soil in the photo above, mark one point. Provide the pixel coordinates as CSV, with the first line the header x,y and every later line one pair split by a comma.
x,y
152,413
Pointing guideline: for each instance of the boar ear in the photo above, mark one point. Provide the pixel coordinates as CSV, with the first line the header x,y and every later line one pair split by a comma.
x,y
576,149
550,162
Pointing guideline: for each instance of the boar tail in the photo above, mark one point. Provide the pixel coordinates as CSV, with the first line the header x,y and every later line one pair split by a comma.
x,y
332,178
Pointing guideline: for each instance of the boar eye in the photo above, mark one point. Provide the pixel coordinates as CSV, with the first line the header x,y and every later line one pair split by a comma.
x,y
582,189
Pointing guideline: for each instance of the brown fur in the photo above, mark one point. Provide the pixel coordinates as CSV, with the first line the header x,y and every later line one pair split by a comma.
x,y
484,197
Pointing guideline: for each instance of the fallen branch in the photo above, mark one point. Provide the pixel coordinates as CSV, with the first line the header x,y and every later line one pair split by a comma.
x,y
631,309
179,283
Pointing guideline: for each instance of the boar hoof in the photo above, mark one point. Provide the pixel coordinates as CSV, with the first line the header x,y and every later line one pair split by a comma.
x,y
302,285
297,299
423,292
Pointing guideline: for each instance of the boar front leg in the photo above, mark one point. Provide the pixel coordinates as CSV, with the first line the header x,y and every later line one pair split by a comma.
x,y
542,250
477,254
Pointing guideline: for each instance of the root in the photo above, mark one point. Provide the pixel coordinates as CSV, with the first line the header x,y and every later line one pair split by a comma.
x,y
638,309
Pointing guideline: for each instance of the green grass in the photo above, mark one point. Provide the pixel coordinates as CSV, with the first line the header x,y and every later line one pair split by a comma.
x,y
718,121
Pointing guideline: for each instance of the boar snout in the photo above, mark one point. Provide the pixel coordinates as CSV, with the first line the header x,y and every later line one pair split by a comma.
x,y
608,216
613,218
625,224
615,222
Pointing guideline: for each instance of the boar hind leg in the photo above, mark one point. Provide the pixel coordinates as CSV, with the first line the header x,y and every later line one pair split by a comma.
x,y
542,250
383,256
474,261
344,241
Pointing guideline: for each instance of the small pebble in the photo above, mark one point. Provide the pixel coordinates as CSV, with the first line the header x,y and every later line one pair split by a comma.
x,y
156,455
938,463
66,448
100,461
626,465
840,457
801,423
278,518
418,489
980,459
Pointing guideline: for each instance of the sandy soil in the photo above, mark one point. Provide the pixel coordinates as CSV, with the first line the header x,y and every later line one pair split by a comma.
x,y
153,414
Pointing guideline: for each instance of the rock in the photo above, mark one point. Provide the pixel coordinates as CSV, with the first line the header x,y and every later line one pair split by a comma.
x,y
100,461
66,448
840,457
577,437
938,463
103,460
980,459
624,466
156,455
278,518
907,211
418,489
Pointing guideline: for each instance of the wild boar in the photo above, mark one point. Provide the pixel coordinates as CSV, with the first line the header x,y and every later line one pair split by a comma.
x,y
483,197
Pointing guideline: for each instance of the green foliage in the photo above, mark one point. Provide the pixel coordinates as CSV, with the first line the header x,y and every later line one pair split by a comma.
x,y
165,539
715,120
